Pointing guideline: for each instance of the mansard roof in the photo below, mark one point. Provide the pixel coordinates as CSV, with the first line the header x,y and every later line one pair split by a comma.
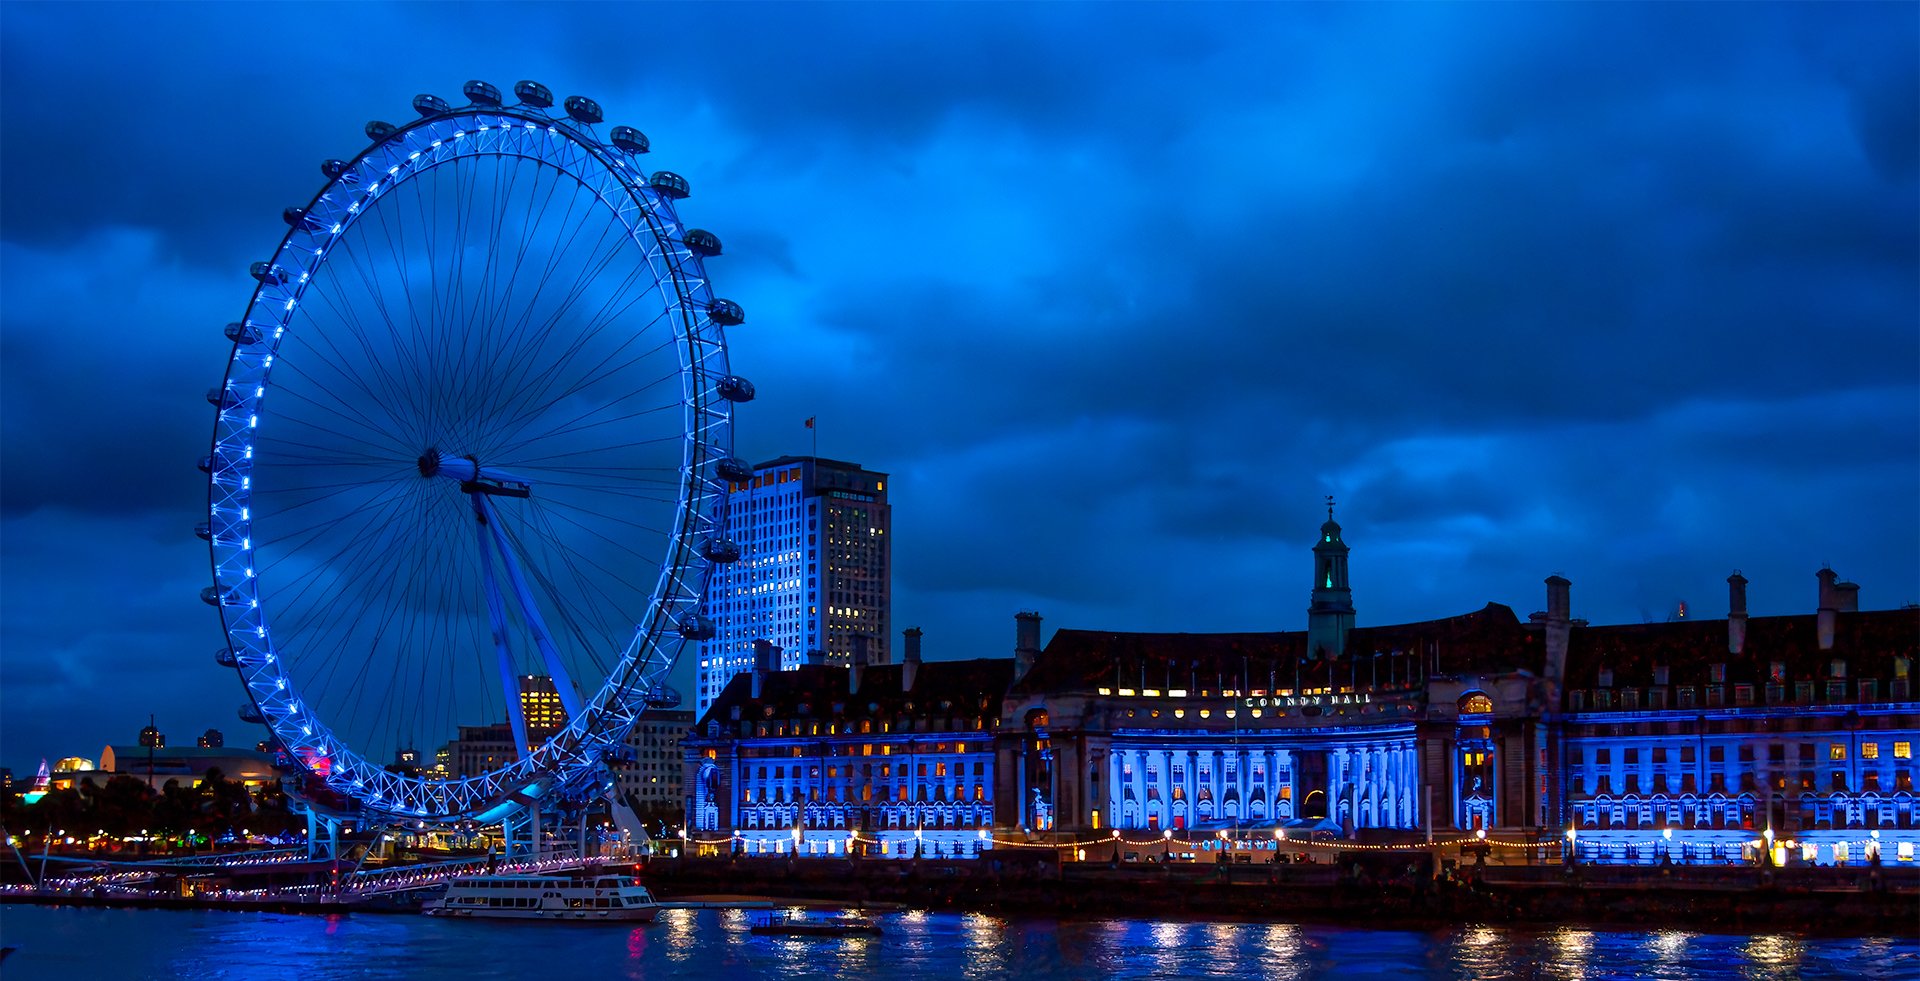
x,y
1488,640
941,689
1868,641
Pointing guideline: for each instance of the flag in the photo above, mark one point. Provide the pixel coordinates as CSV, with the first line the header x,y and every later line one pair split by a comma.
x,y
809,422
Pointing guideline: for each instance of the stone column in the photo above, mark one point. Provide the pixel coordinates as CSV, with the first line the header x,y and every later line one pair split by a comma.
x,y
1240,764
1139,783
1164,759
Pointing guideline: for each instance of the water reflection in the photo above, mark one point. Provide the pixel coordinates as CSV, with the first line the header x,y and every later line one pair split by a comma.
x,y
1573,952
1773,956
1285,952
714,945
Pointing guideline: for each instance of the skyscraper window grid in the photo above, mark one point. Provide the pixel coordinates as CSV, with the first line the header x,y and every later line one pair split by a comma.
x,y
814,571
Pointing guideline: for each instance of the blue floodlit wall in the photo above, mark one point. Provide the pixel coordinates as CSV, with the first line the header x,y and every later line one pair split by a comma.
x,y
898,763
1825,785
1162,781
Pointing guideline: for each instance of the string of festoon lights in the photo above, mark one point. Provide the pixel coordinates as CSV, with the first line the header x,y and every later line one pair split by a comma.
x,y
1281,839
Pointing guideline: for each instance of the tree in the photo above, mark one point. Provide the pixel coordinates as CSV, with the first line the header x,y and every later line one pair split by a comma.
x,y
225,803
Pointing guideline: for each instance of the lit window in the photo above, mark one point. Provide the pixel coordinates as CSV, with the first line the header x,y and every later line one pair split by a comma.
x,y
1837,751
1869,751
1903,750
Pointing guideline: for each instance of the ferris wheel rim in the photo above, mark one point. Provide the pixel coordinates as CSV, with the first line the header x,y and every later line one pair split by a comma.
x,y
649,218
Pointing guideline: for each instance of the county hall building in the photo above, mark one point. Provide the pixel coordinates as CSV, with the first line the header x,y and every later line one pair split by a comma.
x,y
1782,738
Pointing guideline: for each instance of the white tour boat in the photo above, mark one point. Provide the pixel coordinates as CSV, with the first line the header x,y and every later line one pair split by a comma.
x,y
604,898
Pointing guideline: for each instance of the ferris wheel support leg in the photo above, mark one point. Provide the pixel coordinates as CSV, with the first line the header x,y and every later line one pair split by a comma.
x,y
497,615
530,613
323,835
520,833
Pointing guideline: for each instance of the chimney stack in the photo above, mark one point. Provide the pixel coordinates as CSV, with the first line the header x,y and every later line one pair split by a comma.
x,y
816,656
1846,597
856,663
1559,625
1828,610
765,656
1736,613
910,659
1026,642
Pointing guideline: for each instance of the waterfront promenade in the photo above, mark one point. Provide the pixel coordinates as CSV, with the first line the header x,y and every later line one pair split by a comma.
x,y
1846,902
1835,902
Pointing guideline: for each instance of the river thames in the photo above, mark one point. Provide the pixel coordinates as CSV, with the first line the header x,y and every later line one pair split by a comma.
x,y
710,944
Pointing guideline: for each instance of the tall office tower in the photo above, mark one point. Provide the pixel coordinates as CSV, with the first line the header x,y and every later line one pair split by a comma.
x,y
815,572
540,706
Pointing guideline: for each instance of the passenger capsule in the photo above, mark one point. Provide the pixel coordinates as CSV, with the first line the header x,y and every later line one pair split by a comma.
x,y
481,93
697,627
533,94
734,388
266,273
430,105
703,242
244,334
583,109
629,139
669,184
720,550
726,313
218,398
333,168
225,657
663,697
203,531
250,714
735,469
219,596
377,130
206,464
296,217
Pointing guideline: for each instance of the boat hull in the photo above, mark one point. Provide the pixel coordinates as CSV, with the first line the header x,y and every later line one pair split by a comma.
x,y
629,915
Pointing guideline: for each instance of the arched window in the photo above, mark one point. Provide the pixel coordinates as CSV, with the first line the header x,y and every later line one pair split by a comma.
x,y
1476,703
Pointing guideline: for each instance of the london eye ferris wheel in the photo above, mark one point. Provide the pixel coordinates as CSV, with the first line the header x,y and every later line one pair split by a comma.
x,y
476,427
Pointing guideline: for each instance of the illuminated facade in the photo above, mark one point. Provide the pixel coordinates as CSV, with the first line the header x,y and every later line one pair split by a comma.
x,y
479,749
540,705
1716,741
1210,732
892,761
814,571
1784,738
651,778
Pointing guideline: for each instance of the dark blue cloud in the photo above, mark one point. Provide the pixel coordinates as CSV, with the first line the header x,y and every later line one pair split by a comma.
x,y
1626,293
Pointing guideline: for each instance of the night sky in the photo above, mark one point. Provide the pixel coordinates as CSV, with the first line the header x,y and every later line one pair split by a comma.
x,y
1117,293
